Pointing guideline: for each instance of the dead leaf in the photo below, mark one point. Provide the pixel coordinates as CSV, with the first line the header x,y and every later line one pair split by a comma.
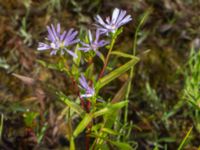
x,y
26,80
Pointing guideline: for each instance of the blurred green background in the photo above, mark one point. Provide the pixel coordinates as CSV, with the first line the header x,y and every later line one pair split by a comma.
x,y
164,102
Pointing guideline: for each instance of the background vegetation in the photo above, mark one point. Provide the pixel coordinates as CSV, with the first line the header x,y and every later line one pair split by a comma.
x,y
164,101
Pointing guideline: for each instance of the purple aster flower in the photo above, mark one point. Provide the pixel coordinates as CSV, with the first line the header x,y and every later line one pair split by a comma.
x,y
93,44
119,18
58,41
89,91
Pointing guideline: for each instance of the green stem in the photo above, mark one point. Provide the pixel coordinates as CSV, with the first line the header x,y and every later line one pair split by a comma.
x,y
1,126
72,144
185,139
127,94
107,58
132,69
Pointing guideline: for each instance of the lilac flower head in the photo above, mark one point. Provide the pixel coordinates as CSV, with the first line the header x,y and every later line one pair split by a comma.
x,y
89,91
58,41
93,44
119,18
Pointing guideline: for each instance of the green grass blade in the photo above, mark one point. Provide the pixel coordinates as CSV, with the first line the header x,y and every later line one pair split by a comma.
x,y
185,139
1,126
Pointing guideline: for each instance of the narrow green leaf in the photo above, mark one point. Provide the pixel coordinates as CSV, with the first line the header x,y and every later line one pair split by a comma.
x,y
89,72
121,54
119,105
101,112
185,139
103,147
78,53
102,57
83,124
167,139
59,66
121,145
109,118
75,66
96,127
29,117
116,73
72,144
4,64
194,104
41,133
71,104
110,131
110,108
44,64
1,126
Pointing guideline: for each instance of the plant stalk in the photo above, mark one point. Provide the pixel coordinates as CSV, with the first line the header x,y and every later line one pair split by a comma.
x,y
132,69
107,58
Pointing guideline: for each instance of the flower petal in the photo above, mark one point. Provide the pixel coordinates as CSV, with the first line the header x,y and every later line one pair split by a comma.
x,y
115,15
63,36
43,46
121,16
97,35
84,44
70,36
103,43
125,20
72,53
85,49
51,35
99,20
83,82
53,52
86,95
90,36
58,29
98,53
108,20
54,31
72,42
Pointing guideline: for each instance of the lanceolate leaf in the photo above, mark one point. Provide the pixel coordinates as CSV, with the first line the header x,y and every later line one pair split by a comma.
x,y
121,54
116,73
110,108
109,114
122,145
83,124
78,59
71,104
110,131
